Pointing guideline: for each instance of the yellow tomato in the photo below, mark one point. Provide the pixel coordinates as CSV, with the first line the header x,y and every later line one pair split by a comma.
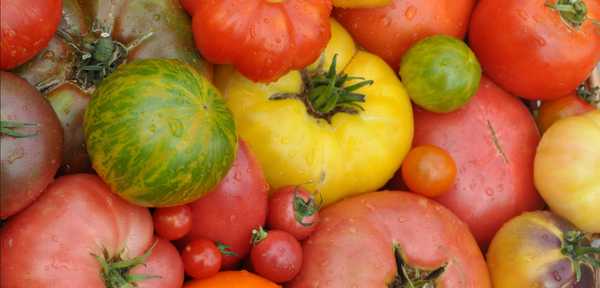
x,y
360,3
346,153
567,169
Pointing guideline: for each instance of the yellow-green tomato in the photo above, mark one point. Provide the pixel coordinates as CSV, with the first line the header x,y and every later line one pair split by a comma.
x,y
351,149
539,249
567,169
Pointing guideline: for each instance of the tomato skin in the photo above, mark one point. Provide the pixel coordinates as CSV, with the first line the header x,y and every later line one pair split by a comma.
x,y
492,185
282,216
28,163
363,229
202,258
75,216
232,279
278,257
172,222
553,110
165,261
26,29
526,253
528,49
566,169
389,31
428,170
264,40
233,209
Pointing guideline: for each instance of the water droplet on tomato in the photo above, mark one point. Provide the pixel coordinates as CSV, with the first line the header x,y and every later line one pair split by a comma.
x,y
156,17
353,230
410,12
556,276
403,219
489,191
238,176
176,127
17,154
523,14
385,21
48,55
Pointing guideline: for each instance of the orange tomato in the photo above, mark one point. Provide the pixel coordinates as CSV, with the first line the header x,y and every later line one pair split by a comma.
x,y
232,279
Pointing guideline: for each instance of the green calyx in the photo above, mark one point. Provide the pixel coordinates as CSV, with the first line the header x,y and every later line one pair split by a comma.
x,y
100,58
588,96
305,208
258,235
577,254
5,125
574,12
225,250
115,269
409,276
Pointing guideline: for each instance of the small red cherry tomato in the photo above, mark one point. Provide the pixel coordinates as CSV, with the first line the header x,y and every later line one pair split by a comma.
x,y
202,258
293,209
172,222
276,255
428,170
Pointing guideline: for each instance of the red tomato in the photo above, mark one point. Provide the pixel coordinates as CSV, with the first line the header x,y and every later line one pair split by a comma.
x,y
527,48
202,258
26,29
493,140
293,209
264,40
172,222
229,213
76,216
553,110
165,261
388,31
368,240
276,255
428,170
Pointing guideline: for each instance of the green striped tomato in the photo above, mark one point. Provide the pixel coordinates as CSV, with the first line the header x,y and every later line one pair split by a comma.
x,y
440,73
160,134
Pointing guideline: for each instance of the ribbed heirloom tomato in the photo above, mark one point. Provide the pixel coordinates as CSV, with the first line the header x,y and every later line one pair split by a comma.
x,y
304,128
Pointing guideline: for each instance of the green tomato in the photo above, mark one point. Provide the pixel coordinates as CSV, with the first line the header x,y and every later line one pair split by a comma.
x,y
440,73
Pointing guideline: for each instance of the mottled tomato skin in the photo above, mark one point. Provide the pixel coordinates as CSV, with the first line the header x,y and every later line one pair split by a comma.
x,y
50,241
388,31
26,29
528,49
353,245
526,253
493,140
233,209
28,163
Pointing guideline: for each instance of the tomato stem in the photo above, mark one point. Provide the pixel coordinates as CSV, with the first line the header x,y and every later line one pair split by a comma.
x,y
4,125
577,254
305,208
588,96
225,250
115,269
574,12
258,235
410,276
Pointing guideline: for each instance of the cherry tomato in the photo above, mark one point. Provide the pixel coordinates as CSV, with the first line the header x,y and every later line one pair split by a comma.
x,y
276,255
428,170
293,209
576,103
172,223
201,258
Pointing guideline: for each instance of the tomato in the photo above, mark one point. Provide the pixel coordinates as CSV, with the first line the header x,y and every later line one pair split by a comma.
x,y
264,40
165,261
553,110
566,169
202,258
276,255
31,154
293,209
76,217
532,50
172,222
232,279
233,209
428,170
540,249
159,133
360,3
27,27
493,141
386,239
298,140
441,73
389,31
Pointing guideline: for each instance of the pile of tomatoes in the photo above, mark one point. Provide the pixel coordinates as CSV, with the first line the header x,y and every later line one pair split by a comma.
x,y
300,143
